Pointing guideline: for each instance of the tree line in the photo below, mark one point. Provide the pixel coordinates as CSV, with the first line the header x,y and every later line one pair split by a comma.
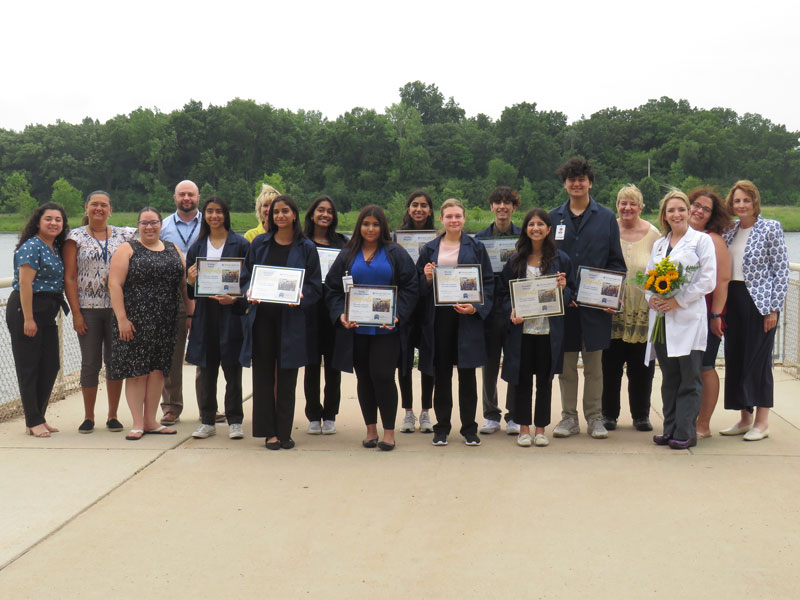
x,y
365,156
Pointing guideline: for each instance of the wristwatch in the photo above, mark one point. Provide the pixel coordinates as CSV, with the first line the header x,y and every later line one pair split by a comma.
x,y
715,316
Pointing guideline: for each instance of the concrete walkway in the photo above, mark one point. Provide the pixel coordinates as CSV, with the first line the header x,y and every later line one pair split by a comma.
x,y
96,516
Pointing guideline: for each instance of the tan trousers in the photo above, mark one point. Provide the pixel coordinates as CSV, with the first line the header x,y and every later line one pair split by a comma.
x,y
592,385
172,396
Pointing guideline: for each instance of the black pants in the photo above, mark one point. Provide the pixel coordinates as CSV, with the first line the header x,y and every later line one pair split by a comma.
x,y
35,358
206,380
374,360
315,411
445,356
407,393
534,359
640,379
494,347
273,413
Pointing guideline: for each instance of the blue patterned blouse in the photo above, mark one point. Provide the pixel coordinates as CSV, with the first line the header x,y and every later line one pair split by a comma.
x,y
47,263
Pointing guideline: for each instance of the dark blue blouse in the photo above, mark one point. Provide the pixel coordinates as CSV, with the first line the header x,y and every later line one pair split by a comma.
x,y
48,266
376,272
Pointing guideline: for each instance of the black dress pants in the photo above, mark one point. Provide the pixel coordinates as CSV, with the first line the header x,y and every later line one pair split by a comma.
x,y
534,359
316,411
273,386
640,379
445,356
375,360
35,358
206,380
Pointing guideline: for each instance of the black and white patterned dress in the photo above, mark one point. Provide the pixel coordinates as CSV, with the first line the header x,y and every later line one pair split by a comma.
x,y
151,304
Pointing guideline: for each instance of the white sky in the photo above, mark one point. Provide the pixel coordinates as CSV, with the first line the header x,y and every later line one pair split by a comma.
x,y
68,60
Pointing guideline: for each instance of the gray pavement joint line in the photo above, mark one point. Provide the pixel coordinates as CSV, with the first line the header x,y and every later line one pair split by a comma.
x,y
86,508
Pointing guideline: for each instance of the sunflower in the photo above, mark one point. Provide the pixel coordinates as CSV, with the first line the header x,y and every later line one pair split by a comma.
x,y
663,284
649,283
672,275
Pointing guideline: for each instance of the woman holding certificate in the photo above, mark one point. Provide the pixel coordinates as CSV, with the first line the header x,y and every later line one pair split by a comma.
x,y
320,227
681,343
215,338
281,278
418,216
535,345
458,286
381,288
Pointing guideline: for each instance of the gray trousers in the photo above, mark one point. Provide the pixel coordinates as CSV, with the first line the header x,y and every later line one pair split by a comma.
x,y
172,396
681,389
592,385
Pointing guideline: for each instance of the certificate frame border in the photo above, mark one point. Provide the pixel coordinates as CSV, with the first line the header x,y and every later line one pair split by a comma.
x,y
416,232
499,237
372,323
560,293
436,301
601,306
259,268
200,259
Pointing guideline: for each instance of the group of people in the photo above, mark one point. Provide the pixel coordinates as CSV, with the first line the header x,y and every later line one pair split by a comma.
x,y
132,296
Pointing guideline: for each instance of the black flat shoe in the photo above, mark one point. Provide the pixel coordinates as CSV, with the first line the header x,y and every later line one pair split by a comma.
x,y
86,427
288,444
276,445
114,425
386,447
369,443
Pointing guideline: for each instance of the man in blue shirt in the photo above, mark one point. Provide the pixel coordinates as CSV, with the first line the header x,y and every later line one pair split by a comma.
x,y
589,234
181,228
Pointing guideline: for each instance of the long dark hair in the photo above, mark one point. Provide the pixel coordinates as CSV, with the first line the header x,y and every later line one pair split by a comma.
x,y
519,262
720,221
205,229
288,201
330,235
408,222
353,247
32,226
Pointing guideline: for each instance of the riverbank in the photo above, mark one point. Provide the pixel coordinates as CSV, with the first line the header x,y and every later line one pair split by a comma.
x,y
477,218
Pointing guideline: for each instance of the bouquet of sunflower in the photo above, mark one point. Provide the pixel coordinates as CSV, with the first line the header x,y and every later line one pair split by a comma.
x,y
665,279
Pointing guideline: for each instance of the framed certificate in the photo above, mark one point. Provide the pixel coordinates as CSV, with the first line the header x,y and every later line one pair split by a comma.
x,y
326,258
218,277
599,288
282,285
537,297
372,305
462,284
500,250
414,239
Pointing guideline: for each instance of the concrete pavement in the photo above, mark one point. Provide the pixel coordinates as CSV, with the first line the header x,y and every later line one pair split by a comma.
x,y
96,516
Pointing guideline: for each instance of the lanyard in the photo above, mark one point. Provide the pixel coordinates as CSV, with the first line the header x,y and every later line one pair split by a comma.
x,y
103,249
191,233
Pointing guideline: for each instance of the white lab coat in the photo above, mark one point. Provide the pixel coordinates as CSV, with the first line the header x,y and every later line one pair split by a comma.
x,y
687,326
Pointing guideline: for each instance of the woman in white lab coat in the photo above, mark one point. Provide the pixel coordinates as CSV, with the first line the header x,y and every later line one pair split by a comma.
x,y
686,325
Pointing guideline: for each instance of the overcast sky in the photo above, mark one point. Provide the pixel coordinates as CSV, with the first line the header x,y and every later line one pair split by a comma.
x,y
69,60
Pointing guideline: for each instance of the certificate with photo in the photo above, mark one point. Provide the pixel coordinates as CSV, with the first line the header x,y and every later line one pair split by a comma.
x,y
326,258
218,277
462,284
282,285
599,288
537,297
500,250
372,305
414,239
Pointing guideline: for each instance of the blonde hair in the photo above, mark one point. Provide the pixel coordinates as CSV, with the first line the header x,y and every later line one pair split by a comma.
x,y
749,188
662,213
631,192
268,194
450,202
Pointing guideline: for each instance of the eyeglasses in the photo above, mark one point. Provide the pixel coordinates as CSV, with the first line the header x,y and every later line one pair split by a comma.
x,y
149,223
705,209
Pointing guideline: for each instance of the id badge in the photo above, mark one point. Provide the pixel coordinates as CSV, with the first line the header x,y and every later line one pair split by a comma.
x,y
560,231
347,283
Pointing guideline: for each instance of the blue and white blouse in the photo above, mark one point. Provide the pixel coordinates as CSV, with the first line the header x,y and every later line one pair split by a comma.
x,y
46,262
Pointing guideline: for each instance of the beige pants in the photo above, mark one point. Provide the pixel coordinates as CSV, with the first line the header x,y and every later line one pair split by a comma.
x,y
172,395
592,385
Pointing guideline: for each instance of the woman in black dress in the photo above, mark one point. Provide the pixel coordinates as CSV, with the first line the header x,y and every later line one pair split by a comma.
x,y
145,278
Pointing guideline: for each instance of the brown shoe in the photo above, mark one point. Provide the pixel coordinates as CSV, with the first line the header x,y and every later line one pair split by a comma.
x,y
170,418
219,418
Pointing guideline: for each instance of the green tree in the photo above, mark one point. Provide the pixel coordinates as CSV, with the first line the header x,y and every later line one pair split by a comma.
x,y
651,192
14,188
68,197
275,180
501,173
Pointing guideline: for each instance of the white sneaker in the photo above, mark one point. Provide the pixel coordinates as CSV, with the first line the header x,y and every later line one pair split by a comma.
x,y
541,440
524,440
328,427
567,427
204,431
490,426
597,430
314,428
236,432
409,423
425,423
512,428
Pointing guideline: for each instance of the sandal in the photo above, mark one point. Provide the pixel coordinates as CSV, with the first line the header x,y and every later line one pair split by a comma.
x,y
162,430
41,434
135,434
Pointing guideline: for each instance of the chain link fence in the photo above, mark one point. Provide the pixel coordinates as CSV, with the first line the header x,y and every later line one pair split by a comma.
x,y
789,336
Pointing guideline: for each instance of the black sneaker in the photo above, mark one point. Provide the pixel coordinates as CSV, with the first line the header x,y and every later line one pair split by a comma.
x,y
642,424
472,439
86,427
610,424
439,439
